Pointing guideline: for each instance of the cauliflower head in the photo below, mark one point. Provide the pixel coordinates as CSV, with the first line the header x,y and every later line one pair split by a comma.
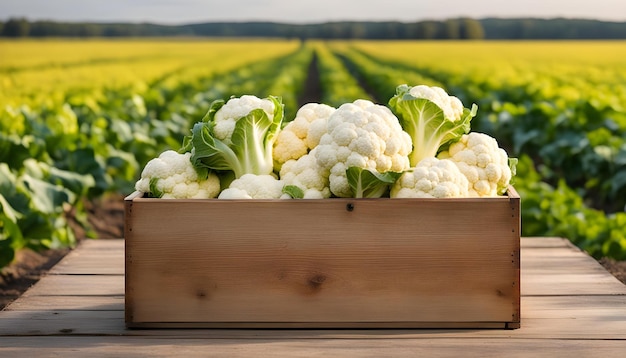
x,y
302,134
365,135
431,117
254,186
483,162
237,137
307,175
233,110
431,178
172,176
451,106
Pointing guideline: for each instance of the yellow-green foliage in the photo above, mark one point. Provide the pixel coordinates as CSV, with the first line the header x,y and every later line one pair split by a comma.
x,y
563,70
34,71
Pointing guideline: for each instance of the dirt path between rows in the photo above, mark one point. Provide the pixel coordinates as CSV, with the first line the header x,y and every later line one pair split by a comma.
x,y
312,92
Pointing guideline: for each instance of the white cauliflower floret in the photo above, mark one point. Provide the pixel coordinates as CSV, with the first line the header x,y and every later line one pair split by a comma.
x,y
252,186
228,115
365,135
451,106
306,174
172,176
302,134
431,178
483,162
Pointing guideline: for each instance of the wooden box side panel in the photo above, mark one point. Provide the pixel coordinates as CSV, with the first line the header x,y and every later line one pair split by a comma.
x,y
326,261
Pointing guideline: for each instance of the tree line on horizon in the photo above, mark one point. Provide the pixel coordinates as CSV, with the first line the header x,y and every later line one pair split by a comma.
x,y
450,29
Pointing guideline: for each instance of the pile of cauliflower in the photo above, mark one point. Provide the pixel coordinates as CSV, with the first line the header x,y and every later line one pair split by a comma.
x,y
419,146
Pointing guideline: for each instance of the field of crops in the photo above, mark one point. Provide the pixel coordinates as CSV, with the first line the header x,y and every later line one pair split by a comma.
x,y
79,119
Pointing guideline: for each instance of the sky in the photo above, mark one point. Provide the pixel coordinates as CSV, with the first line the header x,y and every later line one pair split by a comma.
x,y
303,11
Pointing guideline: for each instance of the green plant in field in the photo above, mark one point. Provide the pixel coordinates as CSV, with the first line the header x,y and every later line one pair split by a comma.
x,y
35,205
560,211
337,84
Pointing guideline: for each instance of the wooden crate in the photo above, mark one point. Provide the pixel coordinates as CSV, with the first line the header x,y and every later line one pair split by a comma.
x,y
333,263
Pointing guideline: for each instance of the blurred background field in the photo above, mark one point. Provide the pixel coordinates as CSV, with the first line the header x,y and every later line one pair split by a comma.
x,y
91,91
80,118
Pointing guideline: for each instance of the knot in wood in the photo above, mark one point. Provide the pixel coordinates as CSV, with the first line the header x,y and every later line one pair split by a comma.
x,y
201,294
316,281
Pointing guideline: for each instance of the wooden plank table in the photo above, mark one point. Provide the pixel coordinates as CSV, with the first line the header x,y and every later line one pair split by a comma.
x,y
571,307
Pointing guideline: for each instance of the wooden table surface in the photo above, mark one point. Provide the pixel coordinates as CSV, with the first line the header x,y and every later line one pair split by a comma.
x,y
571,307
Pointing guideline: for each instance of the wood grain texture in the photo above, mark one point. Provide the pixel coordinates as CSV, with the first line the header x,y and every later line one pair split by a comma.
x,y
79,285
68,303
568,321
430,347
334,262
95,257
552,266
44,310
543,317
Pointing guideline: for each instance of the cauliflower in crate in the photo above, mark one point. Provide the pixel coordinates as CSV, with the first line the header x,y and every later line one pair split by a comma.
x,y
172,176
431,178
253,186
362,135
302,134
431,117
486,166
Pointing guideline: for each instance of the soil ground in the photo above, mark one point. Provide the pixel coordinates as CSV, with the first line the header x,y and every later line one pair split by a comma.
x,y
616,268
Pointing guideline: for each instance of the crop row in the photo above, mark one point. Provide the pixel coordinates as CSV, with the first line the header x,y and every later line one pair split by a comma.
x,y
37,72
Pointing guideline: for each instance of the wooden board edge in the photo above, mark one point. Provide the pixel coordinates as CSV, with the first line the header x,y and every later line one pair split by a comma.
x,y
512,193
516,224
128,240
323,325
513,325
